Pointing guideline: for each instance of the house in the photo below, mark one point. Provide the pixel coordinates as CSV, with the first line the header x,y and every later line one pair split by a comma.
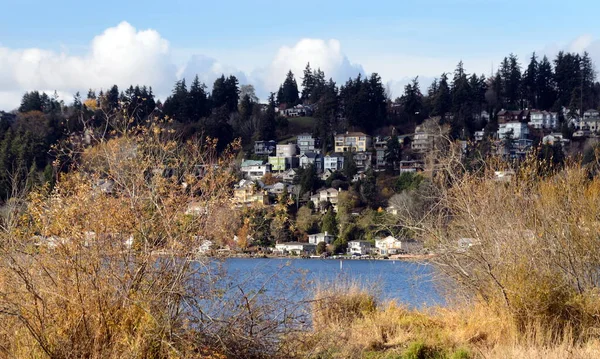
x,y
516,130
297,111
423,141
326,174
359,247
553,138
196,209
264,148
590,121
505,116
295,248
333,162
287,150
312,158
391,245
543,120
255,170
412,166
289,175
320,237
363,160
479,135
352,141
380,146
306,143
279,188
329,195
279,163
248,192
205,247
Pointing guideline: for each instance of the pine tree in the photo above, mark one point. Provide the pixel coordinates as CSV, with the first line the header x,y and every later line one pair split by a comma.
x,y
530,90
288,92
308,83
393,152
545,85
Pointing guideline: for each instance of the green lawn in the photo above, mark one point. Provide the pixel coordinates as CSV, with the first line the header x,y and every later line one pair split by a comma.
x,y
298,125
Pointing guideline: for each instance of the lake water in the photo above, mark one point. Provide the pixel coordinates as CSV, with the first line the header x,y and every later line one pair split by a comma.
x,y
408,283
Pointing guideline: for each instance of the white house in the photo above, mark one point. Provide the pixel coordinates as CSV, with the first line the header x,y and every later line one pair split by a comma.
x,y
391,245
517,130
326,195
255,170
320,237
205,247
359,247
306,143
287,150
333,162
295,248
312,158
289,175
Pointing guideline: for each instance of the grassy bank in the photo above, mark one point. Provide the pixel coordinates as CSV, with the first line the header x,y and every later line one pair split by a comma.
x,y
350,323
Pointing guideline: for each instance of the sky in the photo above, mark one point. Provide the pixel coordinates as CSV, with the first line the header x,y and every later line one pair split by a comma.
x,y
68,46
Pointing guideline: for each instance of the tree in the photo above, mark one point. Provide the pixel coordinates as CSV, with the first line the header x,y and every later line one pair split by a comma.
x,y
545,85
306,221
197,100
368,189
530,83
321,248
248,90
412,101
329,223
393,152
442,102
225,93
288,92
307,179
350,168
308,83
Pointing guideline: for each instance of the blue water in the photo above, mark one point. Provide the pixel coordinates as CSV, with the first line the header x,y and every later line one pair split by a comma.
x,y
408,283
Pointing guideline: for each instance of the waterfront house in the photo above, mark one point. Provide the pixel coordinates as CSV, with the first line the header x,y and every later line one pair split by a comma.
x,y
295,248
390,245
359,247
320,237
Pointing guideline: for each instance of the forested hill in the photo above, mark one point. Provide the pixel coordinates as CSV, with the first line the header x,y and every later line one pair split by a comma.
x,y
28,155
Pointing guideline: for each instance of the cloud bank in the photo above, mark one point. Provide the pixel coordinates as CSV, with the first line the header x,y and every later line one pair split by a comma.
x,y
124,55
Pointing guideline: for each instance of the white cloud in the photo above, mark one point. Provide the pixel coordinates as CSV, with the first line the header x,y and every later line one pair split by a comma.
x,y
121,55
326,55
124,55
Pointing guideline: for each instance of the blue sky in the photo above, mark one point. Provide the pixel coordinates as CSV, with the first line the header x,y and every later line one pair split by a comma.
x,y
398,39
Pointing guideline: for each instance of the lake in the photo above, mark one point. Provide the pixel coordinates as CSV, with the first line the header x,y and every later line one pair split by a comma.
x,y
408,283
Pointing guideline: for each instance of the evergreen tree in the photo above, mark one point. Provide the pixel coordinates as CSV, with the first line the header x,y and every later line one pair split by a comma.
x,y
329,223
288,92
308,83
197,101
545,85
368,189
350,168
412,101
530,83
393,152
443,100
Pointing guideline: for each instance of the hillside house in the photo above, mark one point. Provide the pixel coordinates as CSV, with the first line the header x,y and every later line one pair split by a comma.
x,y
265,148
248,192
352,141
306,143
333,162
329,195
254,170
312,158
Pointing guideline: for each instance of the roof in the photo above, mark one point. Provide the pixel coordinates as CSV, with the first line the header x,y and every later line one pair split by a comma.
x,y
247,163
335,154
312,155
360,134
